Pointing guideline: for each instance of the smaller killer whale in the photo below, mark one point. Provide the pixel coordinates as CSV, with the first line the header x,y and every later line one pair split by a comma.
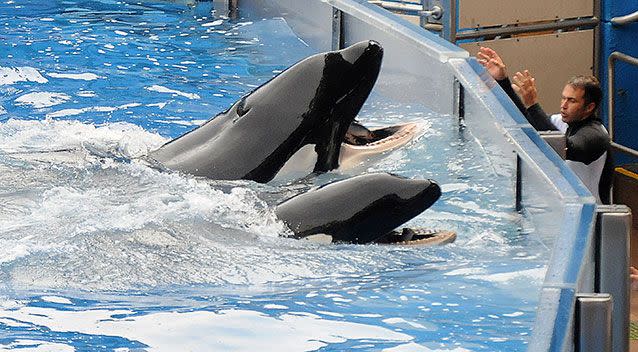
x,y
362,209
311,103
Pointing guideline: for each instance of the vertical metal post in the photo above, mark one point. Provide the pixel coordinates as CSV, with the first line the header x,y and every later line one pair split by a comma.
x,y
593,323
337,29
459,101
519,184
610,95
613,227
232,8
449,20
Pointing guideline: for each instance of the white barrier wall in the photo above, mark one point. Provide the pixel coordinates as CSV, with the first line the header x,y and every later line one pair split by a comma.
x,y
419,67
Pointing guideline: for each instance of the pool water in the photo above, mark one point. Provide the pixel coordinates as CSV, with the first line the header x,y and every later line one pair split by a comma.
x,y
100,252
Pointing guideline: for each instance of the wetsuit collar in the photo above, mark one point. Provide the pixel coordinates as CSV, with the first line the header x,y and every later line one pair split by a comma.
x,y
585,121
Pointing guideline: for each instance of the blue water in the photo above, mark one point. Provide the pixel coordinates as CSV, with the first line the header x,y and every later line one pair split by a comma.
x,y
100,252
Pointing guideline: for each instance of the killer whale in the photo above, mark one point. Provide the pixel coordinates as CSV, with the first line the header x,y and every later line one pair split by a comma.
x,y
360,209
312,102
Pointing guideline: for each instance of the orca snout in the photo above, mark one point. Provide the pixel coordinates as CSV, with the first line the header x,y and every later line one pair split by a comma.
x,y
419,194
365,49
431,193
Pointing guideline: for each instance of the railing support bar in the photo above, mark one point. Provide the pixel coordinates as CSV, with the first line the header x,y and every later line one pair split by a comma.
x,y
611,68
613,227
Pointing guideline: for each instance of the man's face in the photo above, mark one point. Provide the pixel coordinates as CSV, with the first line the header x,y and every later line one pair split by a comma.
x,y
572,105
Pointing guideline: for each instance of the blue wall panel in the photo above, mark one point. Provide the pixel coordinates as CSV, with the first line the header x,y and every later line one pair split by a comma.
x,y
623,39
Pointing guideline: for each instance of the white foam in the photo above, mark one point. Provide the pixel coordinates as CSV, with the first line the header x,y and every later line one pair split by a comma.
x,y
11,75
275,306
162,89
514,315
401,321
12,323
454,187
56,299
159,105
76,76
37,346
414,347
25,136
74,112
212,24
42,99
179,331
536,275
14,250
465,272
86,94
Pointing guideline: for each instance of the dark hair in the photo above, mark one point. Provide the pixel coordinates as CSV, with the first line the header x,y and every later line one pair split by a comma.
x,y
591,86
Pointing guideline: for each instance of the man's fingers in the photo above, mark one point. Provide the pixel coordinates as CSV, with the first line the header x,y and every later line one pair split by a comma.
x,y
488,51
518,79
524,80
516,89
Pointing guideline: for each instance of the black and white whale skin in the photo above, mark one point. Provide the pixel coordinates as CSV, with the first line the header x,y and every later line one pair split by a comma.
x,y
361,209
312,102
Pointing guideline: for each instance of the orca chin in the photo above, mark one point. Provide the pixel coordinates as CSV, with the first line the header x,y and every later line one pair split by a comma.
x,y
361,209
311,103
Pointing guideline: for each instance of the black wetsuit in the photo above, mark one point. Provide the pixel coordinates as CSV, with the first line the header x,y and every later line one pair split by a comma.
x,y
587,140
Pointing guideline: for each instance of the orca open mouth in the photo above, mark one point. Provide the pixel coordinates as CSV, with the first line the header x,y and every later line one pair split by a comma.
x,y
418,237
396,135
362,144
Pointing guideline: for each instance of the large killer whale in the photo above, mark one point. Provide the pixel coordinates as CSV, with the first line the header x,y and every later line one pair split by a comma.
x,y
313,102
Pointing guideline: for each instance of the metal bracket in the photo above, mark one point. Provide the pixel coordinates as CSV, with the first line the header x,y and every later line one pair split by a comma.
x,y
435,13
432,13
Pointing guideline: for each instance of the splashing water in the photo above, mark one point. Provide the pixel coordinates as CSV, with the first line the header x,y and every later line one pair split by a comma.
x,y
98,250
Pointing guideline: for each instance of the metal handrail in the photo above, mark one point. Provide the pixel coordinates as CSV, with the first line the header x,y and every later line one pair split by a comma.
x,y
534,27
436,12
610,97
397,6
626,19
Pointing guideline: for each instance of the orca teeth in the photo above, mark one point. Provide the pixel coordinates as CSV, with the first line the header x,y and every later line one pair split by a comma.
x,y
393,137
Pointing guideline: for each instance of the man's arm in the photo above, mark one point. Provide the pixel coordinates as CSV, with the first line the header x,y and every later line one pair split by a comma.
x,y
522,92
587,144
525,87
506,84
537,117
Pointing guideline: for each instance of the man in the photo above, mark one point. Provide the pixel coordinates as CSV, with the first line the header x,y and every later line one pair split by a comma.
x,y
587,139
